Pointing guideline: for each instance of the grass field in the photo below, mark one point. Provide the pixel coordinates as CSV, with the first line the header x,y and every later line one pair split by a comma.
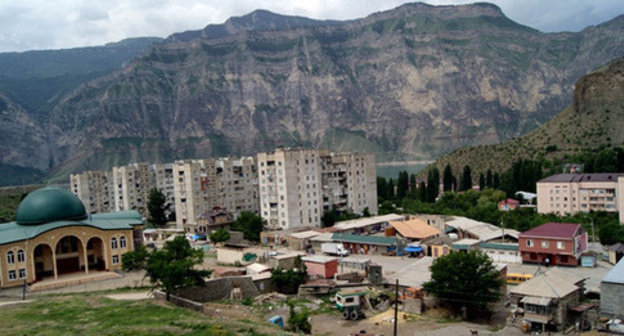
x,y
95,314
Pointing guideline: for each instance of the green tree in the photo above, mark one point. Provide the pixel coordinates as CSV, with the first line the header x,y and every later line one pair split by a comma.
x,y
465,279
382,188
219,235
611,233
390,190
466,180
422,192
171,268
402,183
288,281
433,184
157,208
447,178
488,179
250,224
495,181
481,181
298,322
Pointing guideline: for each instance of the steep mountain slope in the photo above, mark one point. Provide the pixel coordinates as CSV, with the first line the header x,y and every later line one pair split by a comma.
x,y
36,80
414,82
596,118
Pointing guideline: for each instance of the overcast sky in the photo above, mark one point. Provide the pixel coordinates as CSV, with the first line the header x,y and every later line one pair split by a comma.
x,y
55,24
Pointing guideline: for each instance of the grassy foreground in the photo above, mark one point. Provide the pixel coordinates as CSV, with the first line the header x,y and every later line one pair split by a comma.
x,y
95,314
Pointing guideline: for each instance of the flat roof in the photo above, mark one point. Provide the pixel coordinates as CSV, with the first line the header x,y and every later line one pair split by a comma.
x,y
319,259
372,240
305,234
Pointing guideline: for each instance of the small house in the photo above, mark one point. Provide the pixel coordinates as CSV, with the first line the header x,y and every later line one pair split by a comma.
x,y
615,252
321,266
508,204
553,244
285,261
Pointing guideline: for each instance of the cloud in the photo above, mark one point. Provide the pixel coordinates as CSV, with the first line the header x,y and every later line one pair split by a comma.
x,y
53,24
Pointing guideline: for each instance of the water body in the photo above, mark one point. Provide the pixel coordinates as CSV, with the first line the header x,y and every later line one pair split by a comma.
x,y
391,169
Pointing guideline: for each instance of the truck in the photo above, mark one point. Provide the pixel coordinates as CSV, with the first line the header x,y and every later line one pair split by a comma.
x,y
334,249
349,302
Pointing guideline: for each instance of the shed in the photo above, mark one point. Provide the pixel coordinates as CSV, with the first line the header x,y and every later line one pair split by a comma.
x,y
415,229
357,244
321,266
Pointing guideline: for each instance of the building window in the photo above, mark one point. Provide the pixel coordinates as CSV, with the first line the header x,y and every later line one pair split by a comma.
x,y
22,273
560,245
122,242
564,258
114,243
12,275
545,244
115,259
529,242
20,256
10,257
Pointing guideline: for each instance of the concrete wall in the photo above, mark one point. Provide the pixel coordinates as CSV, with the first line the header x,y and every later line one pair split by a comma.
x,y
326,270
612,300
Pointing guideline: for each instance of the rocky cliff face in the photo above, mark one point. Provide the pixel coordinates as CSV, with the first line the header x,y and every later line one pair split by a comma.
x,y
414,82
594,120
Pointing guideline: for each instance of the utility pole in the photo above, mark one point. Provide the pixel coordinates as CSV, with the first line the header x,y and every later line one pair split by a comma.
x,y
396,307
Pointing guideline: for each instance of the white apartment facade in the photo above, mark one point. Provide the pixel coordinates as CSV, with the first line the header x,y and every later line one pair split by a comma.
x,y
297,185
237,185
131,186
572,193
95,190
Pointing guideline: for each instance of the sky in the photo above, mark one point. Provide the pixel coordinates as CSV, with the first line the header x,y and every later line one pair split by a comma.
x,y
57,24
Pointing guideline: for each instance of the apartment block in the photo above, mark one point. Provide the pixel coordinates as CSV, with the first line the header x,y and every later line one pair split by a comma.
x,y
237,185
349,182
194,189
572,193
163,180
131,186
298,185
94,189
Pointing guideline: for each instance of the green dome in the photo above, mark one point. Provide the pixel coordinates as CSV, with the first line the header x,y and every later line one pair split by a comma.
x,y
49,205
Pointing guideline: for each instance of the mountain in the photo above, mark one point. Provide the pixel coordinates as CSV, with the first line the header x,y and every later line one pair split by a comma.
x,y
36,80
594,119
415,82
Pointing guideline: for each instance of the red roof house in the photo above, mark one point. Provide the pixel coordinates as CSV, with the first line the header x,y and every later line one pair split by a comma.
x,y
553,244
508,204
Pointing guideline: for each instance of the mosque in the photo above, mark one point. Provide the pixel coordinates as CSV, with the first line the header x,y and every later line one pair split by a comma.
x,y
53,236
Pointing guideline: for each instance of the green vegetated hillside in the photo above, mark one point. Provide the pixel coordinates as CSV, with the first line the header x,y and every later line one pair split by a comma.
x,y
411,83
592,122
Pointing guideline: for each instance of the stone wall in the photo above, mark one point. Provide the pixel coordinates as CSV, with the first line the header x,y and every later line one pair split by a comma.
x,y
612,300
220,289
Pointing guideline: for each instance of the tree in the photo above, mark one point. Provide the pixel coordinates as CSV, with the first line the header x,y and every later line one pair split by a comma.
x,y
288,281
466,183
611,233
402,183
488,178
219,235
298,322
250,224
170,268
495,181
447,178
433,184
157,208
481,182
422,192
465,279
390,189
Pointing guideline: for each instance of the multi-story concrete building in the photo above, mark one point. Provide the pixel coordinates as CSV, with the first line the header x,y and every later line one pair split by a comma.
x,y
94,189
237,185
298,185
202,185
131,186
163,180
194,188
349,182
572,193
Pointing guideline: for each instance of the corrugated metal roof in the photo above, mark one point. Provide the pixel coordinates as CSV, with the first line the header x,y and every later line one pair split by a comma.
x,y
500,246
552,230
124,220
372,240
366,221
549,285
568,178
616,274
414,229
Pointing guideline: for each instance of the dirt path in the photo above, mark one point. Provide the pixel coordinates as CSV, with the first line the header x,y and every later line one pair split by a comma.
x,y
131,296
